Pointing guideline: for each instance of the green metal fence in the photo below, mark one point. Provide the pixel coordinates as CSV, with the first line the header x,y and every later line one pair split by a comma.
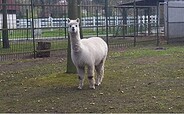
x,y
31,22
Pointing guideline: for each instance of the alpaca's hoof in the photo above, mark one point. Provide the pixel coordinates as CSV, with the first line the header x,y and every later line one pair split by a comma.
x,y
97,84
92,87
79,87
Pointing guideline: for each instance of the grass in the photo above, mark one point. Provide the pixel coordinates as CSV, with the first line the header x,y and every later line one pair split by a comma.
x,y
47,33
23,33
136,80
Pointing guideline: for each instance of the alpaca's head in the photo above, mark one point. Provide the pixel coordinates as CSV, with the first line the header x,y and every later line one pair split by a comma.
x,y
73,25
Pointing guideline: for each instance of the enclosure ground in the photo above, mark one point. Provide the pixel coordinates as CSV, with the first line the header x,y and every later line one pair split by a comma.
x,y
145,79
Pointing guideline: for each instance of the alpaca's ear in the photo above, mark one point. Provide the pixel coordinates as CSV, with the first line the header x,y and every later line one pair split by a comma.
x,y
68,20
78,20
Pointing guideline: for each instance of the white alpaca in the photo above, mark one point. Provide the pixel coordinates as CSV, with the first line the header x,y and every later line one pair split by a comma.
x,y
91,52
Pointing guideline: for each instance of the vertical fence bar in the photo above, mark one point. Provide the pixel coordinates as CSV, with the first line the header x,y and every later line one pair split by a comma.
x,y
134,23
137,21
149,22
32,28
106,18
157,23
27,23
124,16
65,24
167,22
145,23
97,31
114,21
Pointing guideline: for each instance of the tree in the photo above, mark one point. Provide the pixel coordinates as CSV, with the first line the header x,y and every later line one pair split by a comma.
x,y
42,4
43,8
99,1
60,9
72,14
5,27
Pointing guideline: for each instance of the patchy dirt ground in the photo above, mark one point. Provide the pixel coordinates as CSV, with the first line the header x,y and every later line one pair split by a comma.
x,y
26,61
136,80
25,64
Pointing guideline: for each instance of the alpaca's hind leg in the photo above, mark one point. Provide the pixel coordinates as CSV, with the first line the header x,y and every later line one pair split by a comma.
x,y
81,71
91,77
100,72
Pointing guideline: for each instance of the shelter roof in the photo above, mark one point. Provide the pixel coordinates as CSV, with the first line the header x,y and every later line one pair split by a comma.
x,y
141,3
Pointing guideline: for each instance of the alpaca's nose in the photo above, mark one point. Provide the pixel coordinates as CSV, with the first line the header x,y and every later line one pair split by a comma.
x,y
73,29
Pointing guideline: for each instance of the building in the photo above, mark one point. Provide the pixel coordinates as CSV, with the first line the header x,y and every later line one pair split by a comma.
x,y
174,20
169,12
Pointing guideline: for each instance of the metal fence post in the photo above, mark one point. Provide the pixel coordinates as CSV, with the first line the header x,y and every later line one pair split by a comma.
x,y
97,22
27,23
32,28
106,17
65,24
157,24
167,22
5,39
134,23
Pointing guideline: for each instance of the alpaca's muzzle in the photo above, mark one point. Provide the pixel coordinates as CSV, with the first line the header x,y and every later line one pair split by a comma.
x,y
73,29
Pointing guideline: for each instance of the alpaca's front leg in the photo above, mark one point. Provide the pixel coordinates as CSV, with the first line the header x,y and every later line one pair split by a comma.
x,y
91,77
81,71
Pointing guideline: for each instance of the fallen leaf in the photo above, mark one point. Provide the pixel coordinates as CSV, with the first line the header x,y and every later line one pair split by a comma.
x,y
101,93
92,103
111,107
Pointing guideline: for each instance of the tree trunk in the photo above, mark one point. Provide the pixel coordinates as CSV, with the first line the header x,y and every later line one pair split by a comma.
x,y
5,27
79,15
43,9
72,14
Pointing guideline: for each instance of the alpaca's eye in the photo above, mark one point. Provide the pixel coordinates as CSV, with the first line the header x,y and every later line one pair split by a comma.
x,y
70,26
76,25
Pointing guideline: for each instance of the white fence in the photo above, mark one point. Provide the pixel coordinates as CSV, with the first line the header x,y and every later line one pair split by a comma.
x,y
11,21
86,22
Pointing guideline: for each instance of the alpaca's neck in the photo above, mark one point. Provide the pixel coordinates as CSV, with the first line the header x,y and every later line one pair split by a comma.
x,y
75,41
